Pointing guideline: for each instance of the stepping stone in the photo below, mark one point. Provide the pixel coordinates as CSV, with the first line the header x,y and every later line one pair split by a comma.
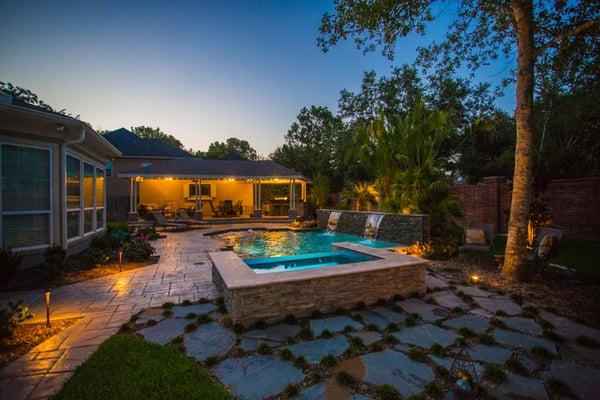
x,y
490,354
151,314
448,300
568,328
182,311
446,362
522,340
531,362
274,333
426,335
520,387
424,310
475,323
525,325
433,282
164,331
474,291
249,344
258,376
481,312
499,304
208,340
583,381
314,350
333,324
393,368
330,390
368,337
381,317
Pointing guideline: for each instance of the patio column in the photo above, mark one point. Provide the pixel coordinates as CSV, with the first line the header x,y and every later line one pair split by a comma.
x,y
257,200
198,214
292,213
133,214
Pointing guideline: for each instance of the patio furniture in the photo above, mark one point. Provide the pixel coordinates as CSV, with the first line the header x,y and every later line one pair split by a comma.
x,y
228,208
185,218
546,242
477,238
162,222
216,212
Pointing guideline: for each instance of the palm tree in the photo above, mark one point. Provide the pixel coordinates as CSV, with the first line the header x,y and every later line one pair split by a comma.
x,y
359,196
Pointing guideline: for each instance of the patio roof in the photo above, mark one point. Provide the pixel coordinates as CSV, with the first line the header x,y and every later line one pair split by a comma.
x,y
191,168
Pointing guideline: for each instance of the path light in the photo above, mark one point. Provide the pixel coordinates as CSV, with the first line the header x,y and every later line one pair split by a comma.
x,y
47,300
120,260
475,278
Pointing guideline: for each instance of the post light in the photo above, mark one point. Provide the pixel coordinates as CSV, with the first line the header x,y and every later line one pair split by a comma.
x,y
120,260
475,278
47,300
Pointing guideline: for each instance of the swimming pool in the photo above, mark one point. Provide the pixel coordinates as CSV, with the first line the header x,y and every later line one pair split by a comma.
x,y
306,261
266,244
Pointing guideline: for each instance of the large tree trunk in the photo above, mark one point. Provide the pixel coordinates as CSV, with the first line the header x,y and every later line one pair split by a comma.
x,y
516,245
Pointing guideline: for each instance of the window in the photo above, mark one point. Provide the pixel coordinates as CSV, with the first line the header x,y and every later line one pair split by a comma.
x,y
204,189
25,214
85,197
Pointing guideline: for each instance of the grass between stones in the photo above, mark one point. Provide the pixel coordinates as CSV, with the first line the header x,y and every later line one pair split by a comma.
x,y
494,374
127,367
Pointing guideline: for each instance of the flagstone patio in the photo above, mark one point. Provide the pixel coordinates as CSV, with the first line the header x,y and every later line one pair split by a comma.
x,y
373,345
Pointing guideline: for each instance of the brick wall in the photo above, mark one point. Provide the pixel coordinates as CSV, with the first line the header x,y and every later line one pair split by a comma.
x,y
573,204
402,228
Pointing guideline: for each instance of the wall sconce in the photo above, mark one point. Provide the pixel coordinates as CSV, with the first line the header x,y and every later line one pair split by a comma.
x,y
47,301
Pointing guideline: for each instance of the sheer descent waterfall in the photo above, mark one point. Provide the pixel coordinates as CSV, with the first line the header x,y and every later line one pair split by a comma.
x,y
372,225
332,222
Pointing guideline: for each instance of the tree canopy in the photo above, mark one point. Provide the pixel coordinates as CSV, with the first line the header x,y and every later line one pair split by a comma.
x,y
27,96
232,148
147,132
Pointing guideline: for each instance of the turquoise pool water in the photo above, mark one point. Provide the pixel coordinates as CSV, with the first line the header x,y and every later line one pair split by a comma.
x,y
265,244
306,261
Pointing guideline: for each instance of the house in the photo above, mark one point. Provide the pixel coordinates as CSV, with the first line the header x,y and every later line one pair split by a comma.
x,y
135,152
217,189
53,188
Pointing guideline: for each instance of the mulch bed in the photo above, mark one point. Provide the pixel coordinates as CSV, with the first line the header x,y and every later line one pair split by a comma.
x,y
26,337
36,277
576,300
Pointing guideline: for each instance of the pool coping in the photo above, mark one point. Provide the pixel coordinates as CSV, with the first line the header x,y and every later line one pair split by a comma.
x,y
236,274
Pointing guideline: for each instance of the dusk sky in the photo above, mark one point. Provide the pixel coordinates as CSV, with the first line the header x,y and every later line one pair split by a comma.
x,y
200,72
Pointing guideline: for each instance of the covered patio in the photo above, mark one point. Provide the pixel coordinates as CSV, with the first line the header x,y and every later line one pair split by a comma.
x,y
217,189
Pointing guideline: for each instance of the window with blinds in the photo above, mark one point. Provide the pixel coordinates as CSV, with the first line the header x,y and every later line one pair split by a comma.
x,y
25,212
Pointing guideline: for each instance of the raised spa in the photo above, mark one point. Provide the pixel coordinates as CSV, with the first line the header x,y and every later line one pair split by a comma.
x,y
306,261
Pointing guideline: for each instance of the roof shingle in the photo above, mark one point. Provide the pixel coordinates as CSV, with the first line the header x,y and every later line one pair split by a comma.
x,y
132,145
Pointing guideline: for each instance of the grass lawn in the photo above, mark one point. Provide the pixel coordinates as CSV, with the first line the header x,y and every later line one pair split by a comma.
x,y
127,367
583,255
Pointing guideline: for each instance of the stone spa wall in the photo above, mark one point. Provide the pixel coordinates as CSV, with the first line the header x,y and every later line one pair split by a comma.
x,y
402,228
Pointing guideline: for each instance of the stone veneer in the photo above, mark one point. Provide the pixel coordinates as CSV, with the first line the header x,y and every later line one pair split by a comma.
x,y
250,297
402,228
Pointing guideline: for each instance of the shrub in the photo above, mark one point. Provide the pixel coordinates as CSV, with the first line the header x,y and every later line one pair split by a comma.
x,y
12,316
96,255
138,250
494,374
10,262
388,392
54,257
344,378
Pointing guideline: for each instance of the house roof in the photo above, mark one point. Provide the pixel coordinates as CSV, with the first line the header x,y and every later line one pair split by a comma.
x,y
198,168
131,145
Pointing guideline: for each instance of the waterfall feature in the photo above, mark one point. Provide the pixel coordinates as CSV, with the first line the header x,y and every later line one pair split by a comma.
x,y
372,225
332,222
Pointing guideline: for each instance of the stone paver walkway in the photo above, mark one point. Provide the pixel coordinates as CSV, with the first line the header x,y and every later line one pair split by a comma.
x,y
104,304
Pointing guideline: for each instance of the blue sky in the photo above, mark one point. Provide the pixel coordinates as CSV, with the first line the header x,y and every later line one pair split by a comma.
x,y
202,71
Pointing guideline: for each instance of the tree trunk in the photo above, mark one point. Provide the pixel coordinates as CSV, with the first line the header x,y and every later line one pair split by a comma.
x,y
516,245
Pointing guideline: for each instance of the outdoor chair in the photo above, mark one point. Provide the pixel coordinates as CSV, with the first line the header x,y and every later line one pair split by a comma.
x,y
546,242
216,211
477,238
228,209
163,223
184,217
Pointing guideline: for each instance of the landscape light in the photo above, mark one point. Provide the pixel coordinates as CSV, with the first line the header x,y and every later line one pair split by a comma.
x,y
120,260
47,300
475,278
